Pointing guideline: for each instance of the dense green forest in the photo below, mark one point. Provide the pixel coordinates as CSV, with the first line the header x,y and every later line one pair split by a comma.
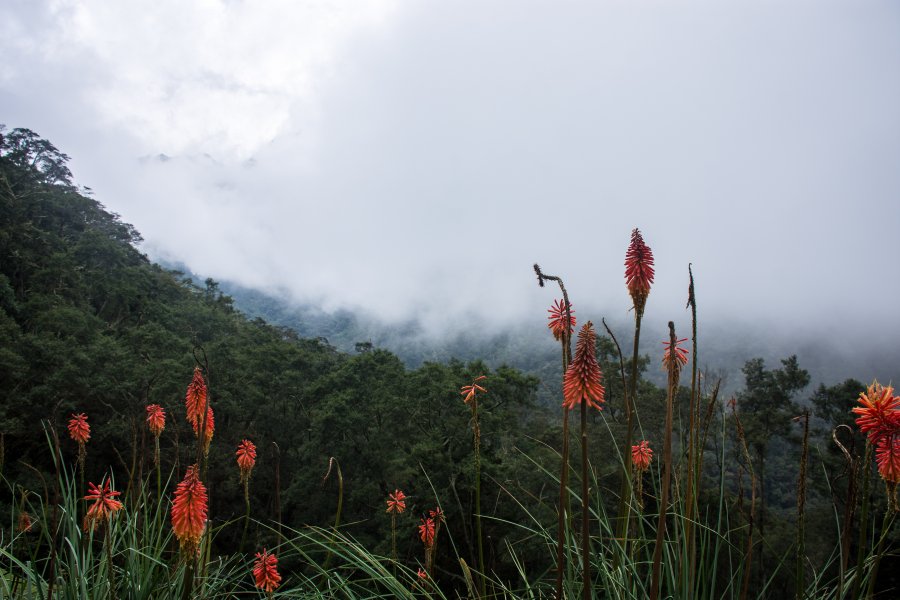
x,y
89,325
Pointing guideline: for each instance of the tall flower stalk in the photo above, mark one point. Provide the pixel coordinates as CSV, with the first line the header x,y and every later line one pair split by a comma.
x,y
396,504
80,432
639,275
560,314
674,358
246,460
190,509
156,422
583,385
470,397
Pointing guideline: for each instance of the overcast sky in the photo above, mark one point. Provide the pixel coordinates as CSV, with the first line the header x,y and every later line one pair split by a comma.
x,y
416,158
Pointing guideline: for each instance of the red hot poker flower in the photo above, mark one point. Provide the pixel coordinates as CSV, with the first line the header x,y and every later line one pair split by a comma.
x,y
469,390
879,411
210,429
103,507
583,379
557,319
426,531
680,355
79,430
246,458
265,571
195,398
887,455
641,455
396,502
638,270
156,419
189,510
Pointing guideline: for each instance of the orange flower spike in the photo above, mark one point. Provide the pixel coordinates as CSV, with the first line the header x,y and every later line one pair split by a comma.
x,y
557,319
426,531
103,507
641,455
190,510
583,379
396,502
680,355
156,419
246,458
79,430
469,391
195,398
879,413
265,571
210,428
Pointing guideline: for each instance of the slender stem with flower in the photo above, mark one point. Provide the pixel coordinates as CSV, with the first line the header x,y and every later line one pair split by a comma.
x,y
639,275
470,393
674,358
246,460
156,422
560,315
396,504
582,385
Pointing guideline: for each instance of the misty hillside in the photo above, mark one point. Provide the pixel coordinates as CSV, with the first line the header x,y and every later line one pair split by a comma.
x,y
726,346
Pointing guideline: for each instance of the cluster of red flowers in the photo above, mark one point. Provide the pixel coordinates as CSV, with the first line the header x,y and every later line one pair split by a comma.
x,y
79,430
195,399
638,270
641,455
156,419
680,355
246,459
469,391
189,510
103,507
557,319
265,571
396,502
429,526
582,381
879,419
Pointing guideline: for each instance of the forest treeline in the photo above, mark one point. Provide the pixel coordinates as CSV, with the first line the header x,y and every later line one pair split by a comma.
x,y
89,325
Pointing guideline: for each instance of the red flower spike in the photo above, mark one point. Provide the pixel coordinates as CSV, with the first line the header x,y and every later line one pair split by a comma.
x,y
156,419
638,270
246,458
79,430
190,510
103,507
887,455
422,574
396,502
557,319
210,429
878,415
583,379
426,532
469,390
265,571
195,398
641,455
437,514
681,358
